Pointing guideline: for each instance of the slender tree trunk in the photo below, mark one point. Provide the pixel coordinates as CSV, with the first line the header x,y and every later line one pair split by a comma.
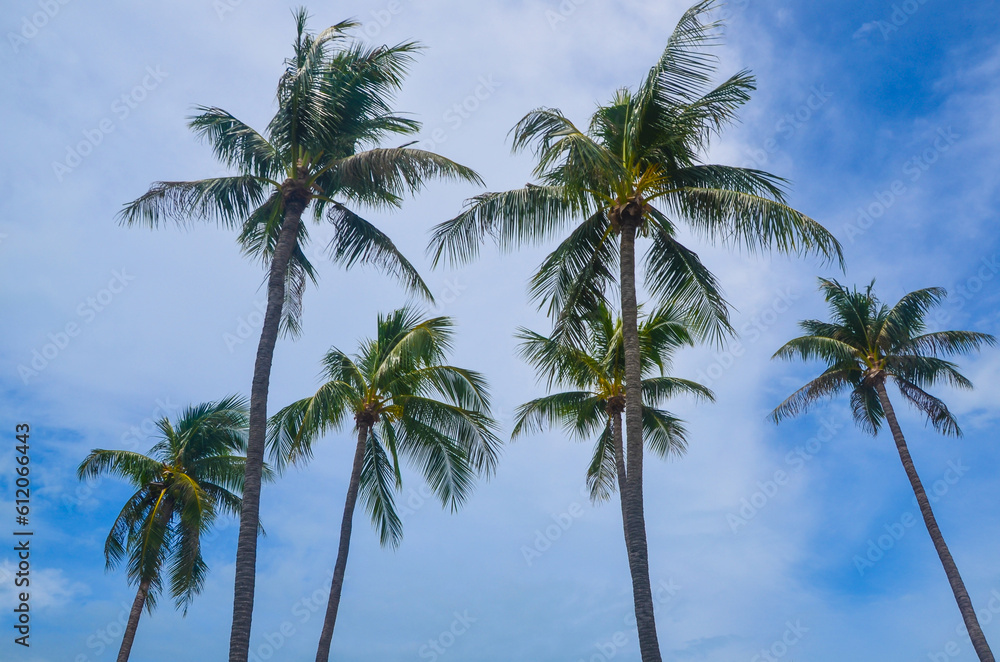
x,y
638,554
616,433
246,546
979,642
133,620
337,585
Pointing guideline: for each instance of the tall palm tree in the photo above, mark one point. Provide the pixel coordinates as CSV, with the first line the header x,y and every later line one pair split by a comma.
x,y
596,370
637,172
320,149
867,344
190,475
403,399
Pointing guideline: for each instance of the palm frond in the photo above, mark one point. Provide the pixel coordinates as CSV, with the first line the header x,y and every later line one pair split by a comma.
x,y
512,219
602,474
224,200
673,271
378,483
833,380
574,278
356,241
937,412
663,433
382,176
236,144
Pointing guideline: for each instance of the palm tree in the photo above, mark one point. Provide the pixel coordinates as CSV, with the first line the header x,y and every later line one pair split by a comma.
x,y
597,372
403,399
867,344
319,149
637,172
190,475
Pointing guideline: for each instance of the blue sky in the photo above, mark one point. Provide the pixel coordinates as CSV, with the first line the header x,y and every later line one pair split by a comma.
x,y
885,117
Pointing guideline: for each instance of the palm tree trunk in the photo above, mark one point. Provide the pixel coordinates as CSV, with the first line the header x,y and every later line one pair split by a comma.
x,y
979,642
635,539
246,546
133,620
326,636
616,433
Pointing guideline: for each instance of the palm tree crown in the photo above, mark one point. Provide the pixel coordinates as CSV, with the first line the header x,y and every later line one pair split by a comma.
x,y
403,399
320,148
398,389
638,168
867,343
597,373
189,476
